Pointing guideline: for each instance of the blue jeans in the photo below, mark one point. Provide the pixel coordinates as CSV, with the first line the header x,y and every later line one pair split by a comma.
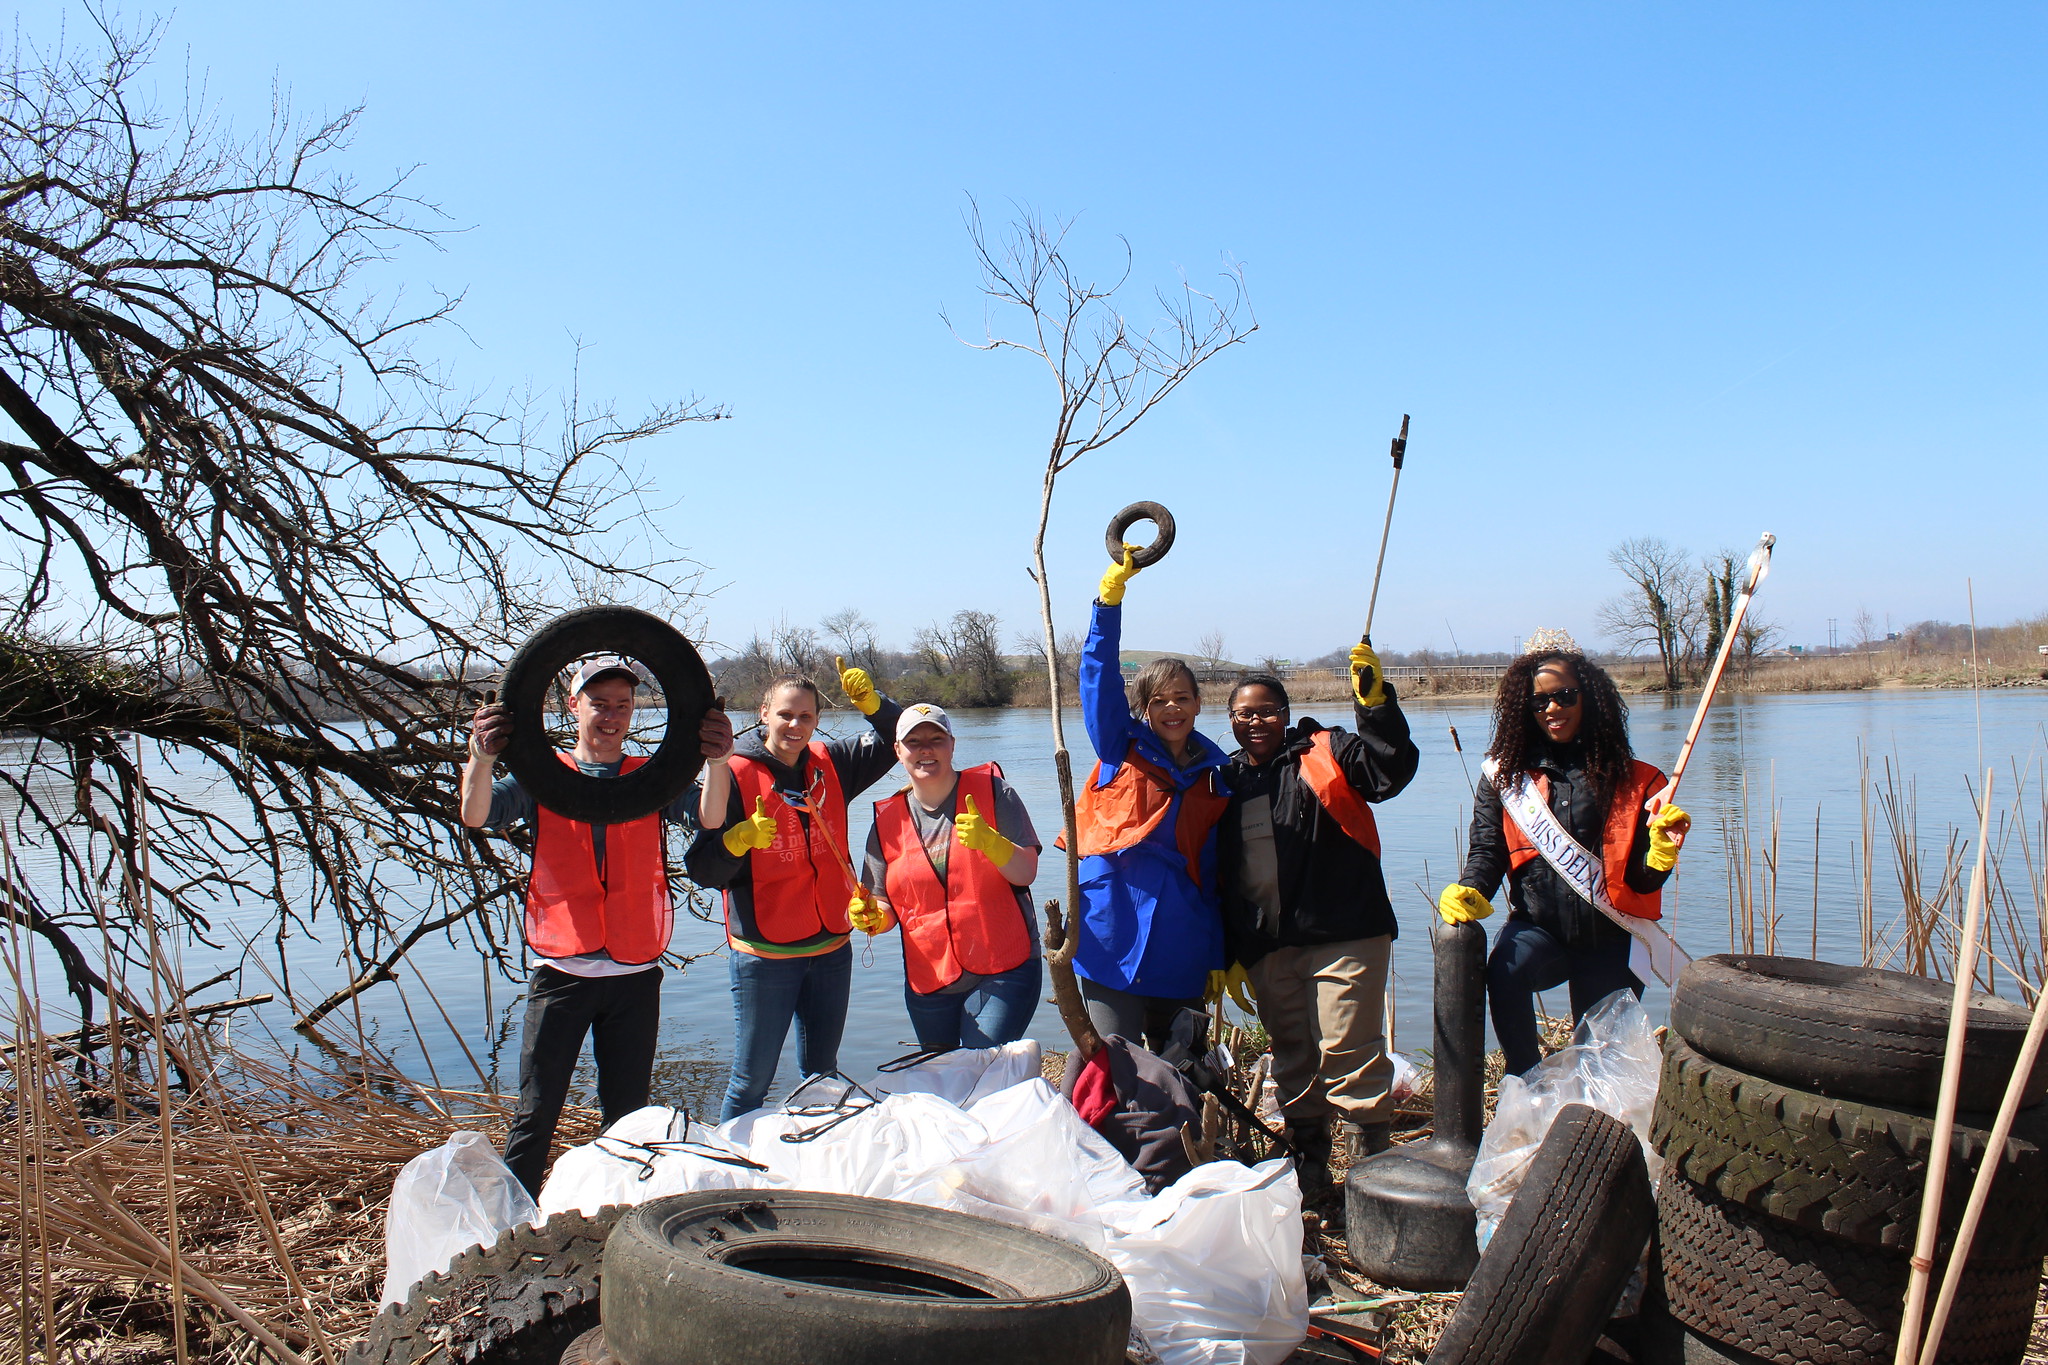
x,y
1526,959
997,1011
767,992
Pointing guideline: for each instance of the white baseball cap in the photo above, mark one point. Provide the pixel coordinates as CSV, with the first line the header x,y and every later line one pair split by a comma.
x,y
602,666
924,713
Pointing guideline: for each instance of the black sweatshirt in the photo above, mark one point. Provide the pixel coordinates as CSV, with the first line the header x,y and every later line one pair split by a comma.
x,y
1331,889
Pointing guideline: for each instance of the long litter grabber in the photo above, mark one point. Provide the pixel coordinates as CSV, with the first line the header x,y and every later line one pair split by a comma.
x,y
1753,575
1400,453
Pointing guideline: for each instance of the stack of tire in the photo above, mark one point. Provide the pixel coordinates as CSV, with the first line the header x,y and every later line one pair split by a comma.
x,y
1795,1118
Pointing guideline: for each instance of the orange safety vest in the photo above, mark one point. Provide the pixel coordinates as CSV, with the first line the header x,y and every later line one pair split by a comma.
x,y
1121,814
968,923
1326,779
571,911
1616,839
800,886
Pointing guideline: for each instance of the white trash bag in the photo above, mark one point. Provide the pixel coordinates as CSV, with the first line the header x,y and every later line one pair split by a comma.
x,y
649,1153
460,1195
965,1074
1042,1168
842,1140
1612,1065
1213,1263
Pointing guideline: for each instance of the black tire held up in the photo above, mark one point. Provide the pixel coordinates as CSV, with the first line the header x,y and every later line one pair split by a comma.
x,y
1851,1032
520,1301
1145,556
1558,1262
764,1277
1844,1167
1761,1286
686,690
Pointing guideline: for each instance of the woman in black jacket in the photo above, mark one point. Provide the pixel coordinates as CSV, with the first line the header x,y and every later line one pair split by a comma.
x,y
1560,730
1305,903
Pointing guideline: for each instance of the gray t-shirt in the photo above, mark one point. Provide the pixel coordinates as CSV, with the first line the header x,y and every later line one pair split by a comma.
x,y
934,825
510,803
1258,871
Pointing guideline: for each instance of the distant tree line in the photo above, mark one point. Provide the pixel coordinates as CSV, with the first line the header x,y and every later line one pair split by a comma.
x,y
954,662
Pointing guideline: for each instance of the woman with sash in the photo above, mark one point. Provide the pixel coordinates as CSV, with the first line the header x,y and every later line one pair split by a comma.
x,y
951,858
1565,815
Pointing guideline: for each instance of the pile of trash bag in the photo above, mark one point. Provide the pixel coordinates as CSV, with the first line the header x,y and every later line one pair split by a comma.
x,y
1611,1064
1213,1263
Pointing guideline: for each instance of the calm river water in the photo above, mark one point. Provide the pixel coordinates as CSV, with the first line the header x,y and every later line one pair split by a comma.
x,y
1801,751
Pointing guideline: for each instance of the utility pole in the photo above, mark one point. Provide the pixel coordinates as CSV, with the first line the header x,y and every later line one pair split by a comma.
x,y
1833,645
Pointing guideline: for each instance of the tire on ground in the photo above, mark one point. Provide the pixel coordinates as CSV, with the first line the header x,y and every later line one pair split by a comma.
x,y
517,1302
686,690
1844,1167
588,1349
1555,1267
721,1277
1753,1283
1850,1032
1145,556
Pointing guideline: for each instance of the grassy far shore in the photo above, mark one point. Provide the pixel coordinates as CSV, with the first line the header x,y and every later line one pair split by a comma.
x,y
1857,672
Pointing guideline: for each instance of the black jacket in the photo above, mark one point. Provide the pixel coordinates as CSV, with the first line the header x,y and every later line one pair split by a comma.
x,y
1535,891
1331,889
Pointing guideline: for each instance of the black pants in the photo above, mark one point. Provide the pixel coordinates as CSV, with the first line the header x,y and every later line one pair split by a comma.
x,y
1527,958
621,1013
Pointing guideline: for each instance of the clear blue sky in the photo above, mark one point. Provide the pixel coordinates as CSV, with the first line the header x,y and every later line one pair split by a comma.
x,y
1690,271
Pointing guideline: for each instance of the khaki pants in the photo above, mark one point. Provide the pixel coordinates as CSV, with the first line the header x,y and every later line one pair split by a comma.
x,y
1324,1008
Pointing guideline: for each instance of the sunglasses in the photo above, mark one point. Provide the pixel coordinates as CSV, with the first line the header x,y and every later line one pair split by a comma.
x,y
1566,697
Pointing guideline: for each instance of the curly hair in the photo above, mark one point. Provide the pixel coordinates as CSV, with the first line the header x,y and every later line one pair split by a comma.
x,y
1603,724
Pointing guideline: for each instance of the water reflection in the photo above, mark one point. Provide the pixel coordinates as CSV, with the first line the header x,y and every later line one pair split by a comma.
x,y
1799,752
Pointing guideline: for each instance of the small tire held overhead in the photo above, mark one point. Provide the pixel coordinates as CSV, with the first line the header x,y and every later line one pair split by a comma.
x,y
1145,556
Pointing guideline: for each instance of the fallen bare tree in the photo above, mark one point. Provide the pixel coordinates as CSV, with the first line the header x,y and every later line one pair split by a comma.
x,y
248,541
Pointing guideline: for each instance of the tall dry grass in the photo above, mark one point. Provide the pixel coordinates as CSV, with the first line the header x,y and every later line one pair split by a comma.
x,y
166,1196
1910,884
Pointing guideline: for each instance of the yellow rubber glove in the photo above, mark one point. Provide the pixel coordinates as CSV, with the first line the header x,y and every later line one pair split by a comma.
x,y
858,687
867,916
756,831
1114,578
979,835
1461,905
1235,982
1368,679
1668,828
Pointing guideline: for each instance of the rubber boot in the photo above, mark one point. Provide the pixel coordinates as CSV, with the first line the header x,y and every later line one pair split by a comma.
x,y
1311,1143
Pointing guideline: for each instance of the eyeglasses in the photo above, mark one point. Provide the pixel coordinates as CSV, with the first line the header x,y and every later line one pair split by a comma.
x,y
1566,697
1255,713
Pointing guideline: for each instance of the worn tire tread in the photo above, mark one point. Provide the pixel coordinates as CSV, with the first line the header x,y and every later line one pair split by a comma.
x,y
1556,1265
1762,1286
1848,1168
519,1301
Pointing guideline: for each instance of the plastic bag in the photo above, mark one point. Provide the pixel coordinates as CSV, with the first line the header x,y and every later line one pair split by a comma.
x,y
1612,1064
1406,1075
1213,1264
1041,1168
649,1153
460,1195
966,1074
851,1143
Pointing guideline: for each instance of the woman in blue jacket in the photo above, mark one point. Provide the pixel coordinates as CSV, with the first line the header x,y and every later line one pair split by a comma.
x,y
1150,923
